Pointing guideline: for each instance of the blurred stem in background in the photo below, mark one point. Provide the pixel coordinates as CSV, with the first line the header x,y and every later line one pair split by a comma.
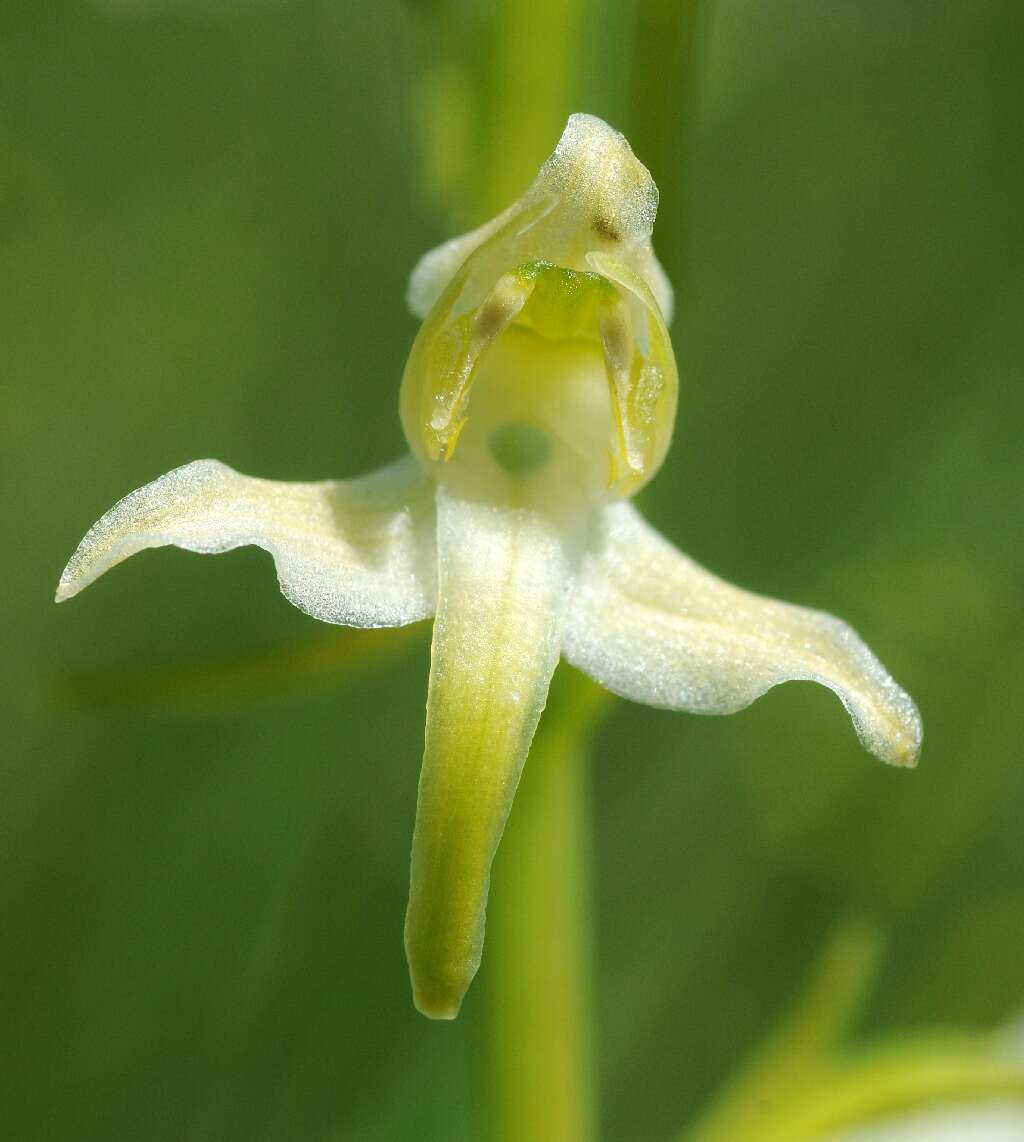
x,y
534,85
803,1084
502,81
504,78
538,958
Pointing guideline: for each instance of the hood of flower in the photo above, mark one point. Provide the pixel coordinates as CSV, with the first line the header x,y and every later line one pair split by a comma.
x,y
548,325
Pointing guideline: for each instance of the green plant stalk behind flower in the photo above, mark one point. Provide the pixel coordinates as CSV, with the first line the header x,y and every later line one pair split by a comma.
x,y
538,977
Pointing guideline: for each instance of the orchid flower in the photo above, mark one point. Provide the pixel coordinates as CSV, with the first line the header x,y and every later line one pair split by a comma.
x,y
972,1092
539,395
808,1082
1000,1120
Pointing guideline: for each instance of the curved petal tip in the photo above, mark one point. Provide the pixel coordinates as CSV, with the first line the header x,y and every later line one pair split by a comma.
x,y
437,996
899,742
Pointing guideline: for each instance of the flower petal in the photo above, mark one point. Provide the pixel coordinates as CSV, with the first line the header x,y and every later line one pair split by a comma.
x,y
651,625
505,574
434,272
645,387
357,552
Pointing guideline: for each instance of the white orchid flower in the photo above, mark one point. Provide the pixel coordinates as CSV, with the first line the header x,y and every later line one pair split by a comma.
x,y
540,393
977,1097
996,1121
806,1082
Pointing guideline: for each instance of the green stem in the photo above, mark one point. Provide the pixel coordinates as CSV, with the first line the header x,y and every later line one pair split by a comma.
x,y
533,84
538,959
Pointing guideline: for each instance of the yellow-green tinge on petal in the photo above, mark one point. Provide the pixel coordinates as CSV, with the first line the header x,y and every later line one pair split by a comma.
x,y
505,575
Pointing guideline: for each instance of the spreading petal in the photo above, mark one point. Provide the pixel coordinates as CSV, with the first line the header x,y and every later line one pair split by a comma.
x,y
651,625
505,574
358,552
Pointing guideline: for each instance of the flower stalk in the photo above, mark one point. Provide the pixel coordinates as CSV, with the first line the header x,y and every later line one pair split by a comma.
x,y
538,979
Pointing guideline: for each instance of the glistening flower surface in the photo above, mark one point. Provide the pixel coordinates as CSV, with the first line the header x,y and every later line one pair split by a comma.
x,y
539,395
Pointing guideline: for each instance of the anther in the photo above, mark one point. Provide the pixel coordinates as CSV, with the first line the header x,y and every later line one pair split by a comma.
x,y
493,316
603,227
501,307
617,344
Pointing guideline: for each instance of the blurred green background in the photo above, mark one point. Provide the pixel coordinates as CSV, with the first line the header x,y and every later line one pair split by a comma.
x,y
208,212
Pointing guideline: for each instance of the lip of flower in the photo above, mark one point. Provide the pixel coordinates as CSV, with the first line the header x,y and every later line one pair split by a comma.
x,y
539,394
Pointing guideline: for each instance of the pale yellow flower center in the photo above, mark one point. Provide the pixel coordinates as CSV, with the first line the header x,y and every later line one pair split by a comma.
x,y
549,381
